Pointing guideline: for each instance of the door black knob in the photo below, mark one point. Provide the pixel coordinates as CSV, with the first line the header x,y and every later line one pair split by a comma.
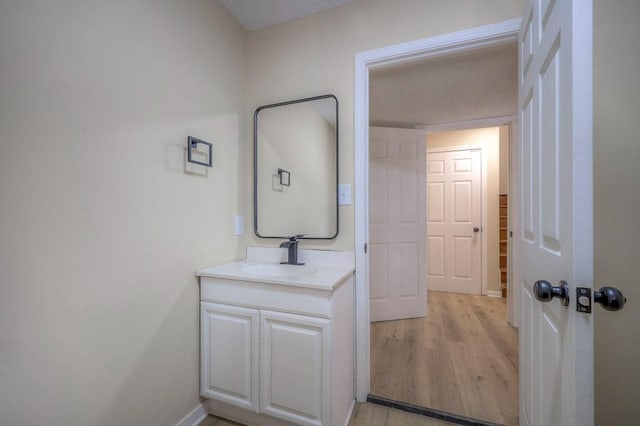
x,y
610,298
476,229
545,292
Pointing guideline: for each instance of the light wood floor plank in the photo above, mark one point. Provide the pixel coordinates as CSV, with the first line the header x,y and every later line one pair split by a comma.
x,y
441,392
462,358
500,334
366,414
471,376
211,420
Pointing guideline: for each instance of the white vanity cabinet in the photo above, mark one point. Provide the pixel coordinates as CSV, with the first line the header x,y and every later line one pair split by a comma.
x,y
275,353
292,353
295,360
229,371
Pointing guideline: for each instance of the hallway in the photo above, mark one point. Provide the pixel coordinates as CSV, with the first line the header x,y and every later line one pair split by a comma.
x,y
462,358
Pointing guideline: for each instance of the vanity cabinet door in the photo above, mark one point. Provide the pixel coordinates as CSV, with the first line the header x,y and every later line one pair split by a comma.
x,y
294,367
229,354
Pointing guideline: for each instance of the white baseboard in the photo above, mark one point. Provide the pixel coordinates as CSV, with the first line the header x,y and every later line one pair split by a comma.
x,y
494,293
242,415
194,417
353,405
236,414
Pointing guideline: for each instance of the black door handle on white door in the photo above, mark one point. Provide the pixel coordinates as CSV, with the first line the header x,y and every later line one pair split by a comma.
x,y
544,291
610,298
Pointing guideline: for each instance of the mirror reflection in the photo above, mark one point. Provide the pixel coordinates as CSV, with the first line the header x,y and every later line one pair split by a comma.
x,y
296,168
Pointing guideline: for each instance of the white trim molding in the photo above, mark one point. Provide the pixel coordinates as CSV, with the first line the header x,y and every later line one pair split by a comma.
x,y
467,124
196,415
494,293
442,45
353,406
457,148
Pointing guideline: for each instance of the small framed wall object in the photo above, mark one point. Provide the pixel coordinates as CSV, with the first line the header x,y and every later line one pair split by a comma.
x,y
192,143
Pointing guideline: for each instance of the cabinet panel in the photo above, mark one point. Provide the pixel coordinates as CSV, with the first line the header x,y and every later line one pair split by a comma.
x,y
295,367
296,300
229,354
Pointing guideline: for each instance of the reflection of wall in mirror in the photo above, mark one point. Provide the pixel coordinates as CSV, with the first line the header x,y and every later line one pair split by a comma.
x,y
299,139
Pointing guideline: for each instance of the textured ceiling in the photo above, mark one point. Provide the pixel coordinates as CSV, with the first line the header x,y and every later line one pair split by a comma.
x,y
466,87
256,14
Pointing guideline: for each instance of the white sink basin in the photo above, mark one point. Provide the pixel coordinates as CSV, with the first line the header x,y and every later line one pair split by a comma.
x,y
324,269
276,270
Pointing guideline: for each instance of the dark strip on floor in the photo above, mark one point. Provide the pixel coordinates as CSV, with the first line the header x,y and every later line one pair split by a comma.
x,y
429,412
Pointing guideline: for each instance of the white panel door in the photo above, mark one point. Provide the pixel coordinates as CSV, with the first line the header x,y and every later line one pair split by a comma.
x,y
229,354
295,376
454,221
555,236
397,217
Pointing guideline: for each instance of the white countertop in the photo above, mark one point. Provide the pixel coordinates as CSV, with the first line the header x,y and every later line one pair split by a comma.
x,y
323,270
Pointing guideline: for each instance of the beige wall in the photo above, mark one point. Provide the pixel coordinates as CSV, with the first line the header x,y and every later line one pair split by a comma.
x,y
488,139
101,227
446,89
314,55
617,207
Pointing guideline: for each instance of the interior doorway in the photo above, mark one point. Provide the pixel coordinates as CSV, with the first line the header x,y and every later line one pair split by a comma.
x,y
461,359
456,193
479,209
361,234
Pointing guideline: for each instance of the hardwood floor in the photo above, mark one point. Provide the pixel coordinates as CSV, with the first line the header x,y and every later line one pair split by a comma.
x,y
217,421
364,414
462,358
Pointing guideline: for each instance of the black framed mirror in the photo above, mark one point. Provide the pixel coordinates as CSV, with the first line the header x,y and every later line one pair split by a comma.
x,y
295,180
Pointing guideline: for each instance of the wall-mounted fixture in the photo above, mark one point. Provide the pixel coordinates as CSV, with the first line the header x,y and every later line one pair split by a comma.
x,y
301,137
285,177
192,143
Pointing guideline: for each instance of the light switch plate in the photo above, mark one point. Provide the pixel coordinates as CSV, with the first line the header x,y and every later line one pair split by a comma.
x,y
344,194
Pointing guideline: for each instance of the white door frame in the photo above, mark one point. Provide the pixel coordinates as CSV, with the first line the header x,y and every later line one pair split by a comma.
x,y
446,44
483,201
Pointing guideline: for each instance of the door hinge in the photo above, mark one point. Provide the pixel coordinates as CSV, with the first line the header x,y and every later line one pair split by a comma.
x,y
365,247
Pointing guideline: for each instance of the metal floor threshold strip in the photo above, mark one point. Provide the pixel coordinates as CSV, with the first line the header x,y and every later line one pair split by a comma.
x,y
429,412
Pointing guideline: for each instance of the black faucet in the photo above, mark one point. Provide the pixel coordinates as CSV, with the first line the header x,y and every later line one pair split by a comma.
x,y
292,246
